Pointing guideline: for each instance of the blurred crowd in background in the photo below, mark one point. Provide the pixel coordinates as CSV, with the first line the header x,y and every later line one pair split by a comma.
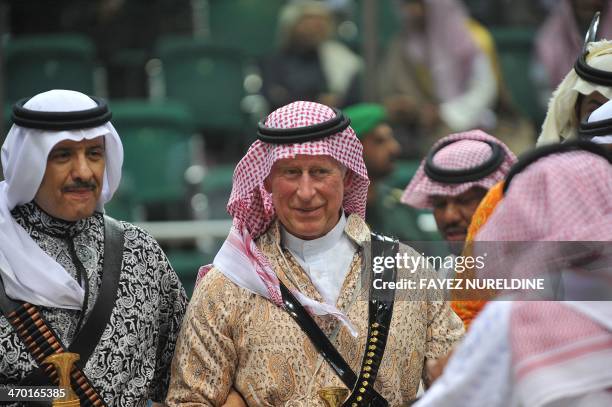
x,y
188,80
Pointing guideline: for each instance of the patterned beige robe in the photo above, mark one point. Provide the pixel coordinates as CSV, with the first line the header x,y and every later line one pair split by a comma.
x,y
232,337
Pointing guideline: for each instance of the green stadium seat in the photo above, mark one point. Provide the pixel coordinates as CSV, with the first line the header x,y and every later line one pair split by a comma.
x,y
186,263
156,140
36,64
207,79
247,25
120,206
402,174
515,50
217,186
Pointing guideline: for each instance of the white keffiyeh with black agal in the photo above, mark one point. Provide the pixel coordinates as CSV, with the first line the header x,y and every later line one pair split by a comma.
x,y
24,158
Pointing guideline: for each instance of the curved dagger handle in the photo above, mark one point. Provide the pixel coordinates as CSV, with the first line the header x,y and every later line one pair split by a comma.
x,y
63,363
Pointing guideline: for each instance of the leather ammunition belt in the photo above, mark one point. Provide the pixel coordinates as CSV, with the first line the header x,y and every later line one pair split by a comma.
x,y
380,312
41,340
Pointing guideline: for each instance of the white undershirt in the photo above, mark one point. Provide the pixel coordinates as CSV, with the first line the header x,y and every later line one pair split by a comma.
x,y
602,140
326,259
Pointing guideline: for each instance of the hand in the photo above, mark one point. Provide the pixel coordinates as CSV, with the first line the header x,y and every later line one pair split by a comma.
x,y
234,399
435,367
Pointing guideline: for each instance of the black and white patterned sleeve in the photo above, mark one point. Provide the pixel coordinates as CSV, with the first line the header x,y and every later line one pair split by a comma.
x,y
172,305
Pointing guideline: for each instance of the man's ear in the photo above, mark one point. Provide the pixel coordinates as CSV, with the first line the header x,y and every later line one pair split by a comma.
x,y
348,178
268,185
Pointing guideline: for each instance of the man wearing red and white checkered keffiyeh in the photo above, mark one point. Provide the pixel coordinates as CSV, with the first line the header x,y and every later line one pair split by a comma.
x,y
298,203
455,176
544,353
251,204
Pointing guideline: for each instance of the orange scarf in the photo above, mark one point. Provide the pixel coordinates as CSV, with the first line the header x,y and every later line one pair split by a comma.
x,y
467,310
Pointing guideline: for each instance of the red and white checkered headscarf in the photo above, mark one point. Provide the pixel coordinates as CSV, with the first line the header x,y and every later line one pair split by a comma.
x,y
467,152
561,197
252,209
251,205
560,350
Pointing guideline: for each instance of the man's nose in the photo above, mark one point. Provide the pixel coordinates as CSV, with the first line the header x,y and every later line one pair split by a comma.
x,y
395,147
452,213
81,168
306,188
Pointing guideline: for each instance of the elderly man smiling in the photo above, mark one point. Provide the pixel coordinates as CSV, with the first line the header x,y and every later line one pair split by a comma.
x,y
285,286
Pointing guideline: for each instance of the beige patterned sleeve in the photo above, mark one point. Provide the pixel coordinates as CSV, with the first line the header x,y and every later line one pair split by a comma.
x,y
444,329
205,358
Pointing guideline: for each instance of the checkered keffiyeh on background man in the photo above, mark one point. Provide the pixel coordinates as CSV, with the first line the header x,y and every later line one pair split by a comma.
x,y
467,150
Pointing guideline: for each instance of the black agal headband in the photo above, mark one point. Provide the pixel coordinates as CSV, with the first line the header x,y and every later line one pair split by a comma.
x,y
302,134
584,70
458,176
79,119
588,130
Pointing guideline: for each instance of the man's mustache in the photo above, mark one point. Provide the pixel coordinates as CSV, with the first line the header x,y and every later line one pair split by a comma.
x,y
454,228
80,185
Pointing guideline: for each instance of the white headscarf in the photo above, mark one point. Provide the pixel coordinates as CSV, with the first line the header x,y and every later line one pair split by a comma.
x,y
560,122
28,273
603,112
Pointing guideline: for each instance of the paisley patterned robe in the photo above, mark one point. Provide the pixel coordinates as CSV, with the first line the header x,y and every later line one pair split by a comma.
x,y
131,362
232,337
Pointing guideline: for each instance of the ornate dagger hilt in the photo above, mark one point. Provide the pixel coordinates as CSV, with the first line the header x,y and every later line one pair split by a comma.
x,y
333,396
63,363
